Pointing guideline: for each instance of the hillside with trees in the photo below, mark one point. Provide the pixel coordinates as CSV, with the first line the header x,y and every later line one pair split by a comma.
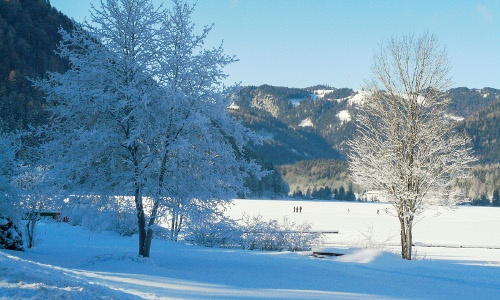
x,y
28,38
483,127
322,106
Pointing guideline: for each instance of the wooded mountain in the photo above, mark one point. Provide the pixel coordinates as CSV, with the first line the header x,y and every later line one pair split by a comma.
x,y
28,38
323,116
326,113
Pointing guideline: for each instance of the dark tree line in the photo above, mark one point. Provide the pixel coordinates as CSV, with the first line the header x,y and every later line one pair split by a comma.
x,y
483,199
327,193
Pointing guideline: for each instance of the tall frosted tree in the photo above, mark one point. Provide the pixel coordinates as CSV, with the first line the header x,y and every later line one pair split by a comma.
x,y
142,112
406,145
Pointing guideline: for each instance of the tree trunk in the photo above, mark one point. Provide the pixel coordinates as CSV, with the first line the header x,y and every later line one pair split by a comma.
x,y
147,242
406,237
150,231
32,218
141,222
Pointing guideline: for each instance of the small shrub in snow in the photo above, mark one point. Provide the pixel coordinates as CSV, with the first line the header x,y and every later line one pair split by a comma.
x,y
253,233
274,236
10,236
370,241
222,232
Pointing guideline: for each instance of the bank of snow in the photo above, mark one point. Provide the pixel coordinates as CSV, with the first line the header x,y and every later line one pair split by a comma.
x,y
73,263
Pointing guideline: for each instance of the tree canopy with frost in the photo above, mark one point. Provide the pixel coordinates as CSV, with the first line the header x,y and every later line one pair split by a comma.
x,y
9,167
406,146
142,112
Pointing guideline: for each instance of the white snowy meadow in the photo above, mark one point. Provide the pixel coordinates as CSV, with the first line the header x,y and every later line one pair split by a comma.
x,y
457,257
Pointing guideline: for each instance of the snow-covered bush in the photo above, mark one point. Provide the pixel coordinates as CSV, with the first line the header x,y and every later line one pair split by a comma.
x,y
254,233
222,233
274,236
370,240
115,214
10,236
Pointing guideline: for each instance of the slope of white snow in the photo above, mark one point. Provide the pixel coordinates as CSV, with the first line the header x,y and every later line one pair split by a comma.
x,y
73,263
454,118
306,123
344,116
358,98
234,106
321,93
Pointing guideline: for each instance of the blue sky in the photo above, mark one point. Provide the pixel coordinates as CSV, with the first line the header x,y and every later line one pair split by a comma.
x,y
300,43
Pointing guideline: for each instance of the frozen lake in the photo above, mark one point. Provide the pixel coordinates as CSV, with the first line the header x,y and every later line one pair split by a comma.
x,y
465,233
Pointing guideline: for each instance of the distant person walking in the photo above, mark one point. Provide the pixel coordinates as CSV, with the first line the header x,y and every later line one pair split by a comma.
x,y
300,209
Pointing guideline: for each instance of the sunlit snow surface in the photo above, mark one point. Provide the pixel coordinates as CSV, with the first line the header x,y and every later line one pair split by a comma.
x,y
306,123
452,246
344,116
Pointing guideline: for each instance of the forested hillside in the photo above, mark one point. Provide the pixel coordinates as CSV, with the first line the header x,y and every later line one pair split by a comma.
x,y
28,38
327,113
483,127
466,102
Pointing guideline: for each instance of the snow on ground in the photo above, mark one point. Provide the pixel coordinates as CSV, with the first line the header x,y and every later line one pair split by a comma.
x,y
321,93
344,116
454,118
306,123
73,263
234,106
358,98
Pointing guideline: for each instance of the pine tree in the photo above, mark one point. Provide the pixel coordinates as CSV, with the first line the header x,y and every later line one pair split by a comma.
x,y
341,195
495,201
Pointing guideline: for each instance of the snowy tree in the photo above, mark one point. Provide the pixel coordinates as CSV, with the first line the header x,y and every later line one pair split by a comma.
x,y
34,198
10,235
142,112
405,144
9,166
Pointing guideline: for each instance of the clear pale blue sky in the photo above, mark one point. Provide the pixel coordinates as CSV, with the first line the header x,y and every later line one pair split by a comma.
x,y
300,43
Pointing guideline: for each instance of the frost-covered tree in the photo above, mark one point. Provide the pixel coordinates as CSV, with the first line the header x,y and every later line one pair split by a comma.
x,y
142,112
10,235
9,167
405,144
34,199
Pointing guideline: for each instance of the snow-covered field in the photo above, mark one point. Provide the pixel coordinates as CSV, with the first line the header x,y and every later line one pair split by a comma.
x,y
458,251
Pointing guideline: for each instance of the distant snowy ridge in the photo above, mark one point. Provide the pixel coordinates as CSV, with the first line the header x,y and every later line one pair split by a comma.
x,y
321,93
